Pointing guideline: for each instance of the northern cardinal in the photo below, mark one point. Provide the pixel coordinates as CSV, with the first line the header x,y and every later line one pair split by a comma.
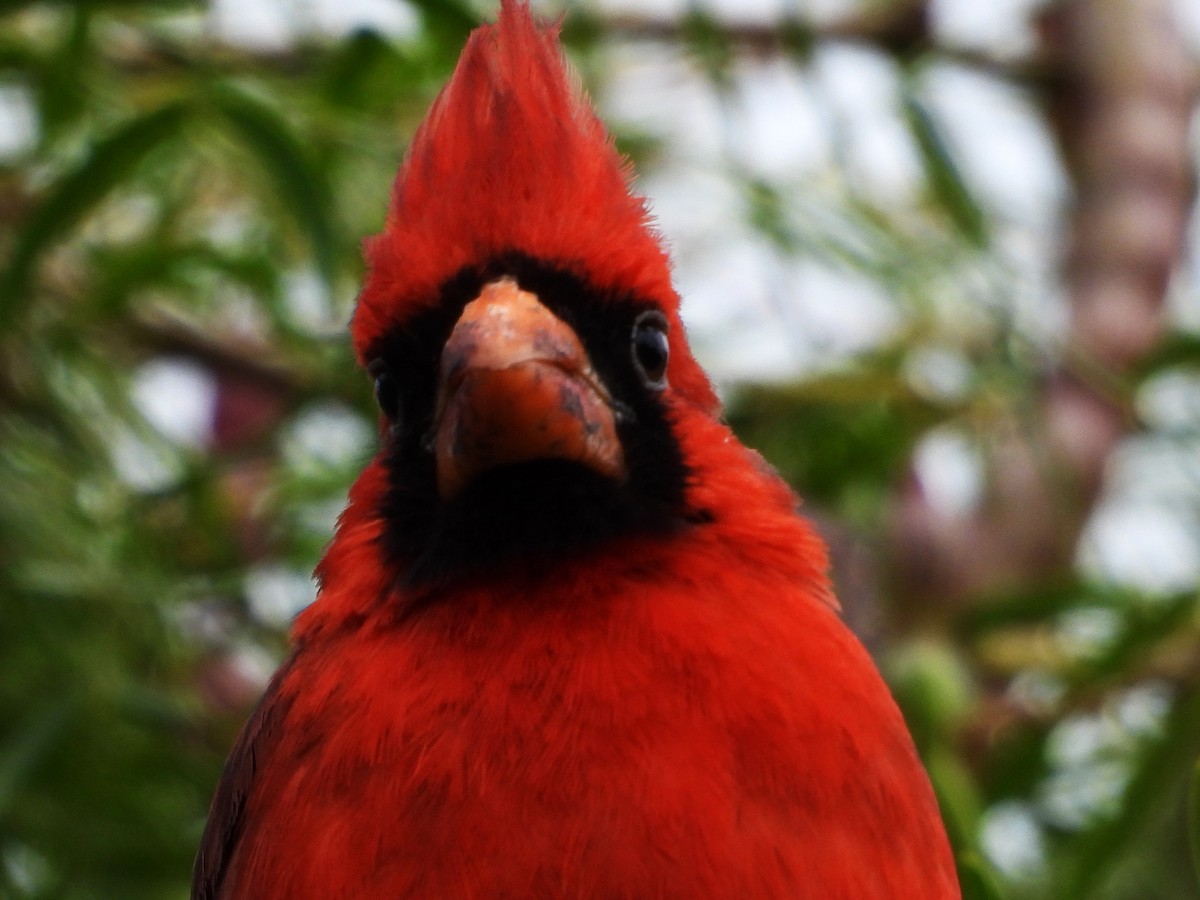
x,y
572,638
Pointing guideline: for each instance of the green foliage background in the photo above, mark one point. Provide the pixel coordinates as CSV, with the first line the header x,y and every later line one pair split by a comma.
x,y
180,193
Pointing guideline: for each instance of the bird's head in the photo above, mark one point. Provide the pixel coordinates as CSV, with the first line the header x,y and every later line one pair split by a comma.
x,y
538,397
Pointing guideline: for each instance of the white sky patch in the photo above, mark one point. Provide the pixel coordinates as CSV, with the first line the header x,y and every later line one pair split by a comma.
x,y
309,305
229,225
940,373
657,90
1183,299
753,353
176,397
727,307
28,870
656,8
1011,837
1187,13
752,11
1036,691
391,17
950,471
999,143
725,287
1171,401
1077,739
780,131
264,24
1002,27
755,316
327,435
275,594
1142,710
1030,276
861,90
141,465
1145,531
759,12
277,24
320,518
692,207
253,664
835,312
19,125
1076,797
1143,545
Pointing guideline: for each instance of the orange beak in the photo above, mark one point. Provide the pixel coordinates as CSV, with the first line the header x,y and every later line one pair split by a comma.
x,y
515,385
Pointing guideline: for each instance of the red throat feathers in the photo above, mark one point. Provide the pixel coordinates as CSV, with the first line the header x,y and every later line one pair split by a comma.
x,y
572,638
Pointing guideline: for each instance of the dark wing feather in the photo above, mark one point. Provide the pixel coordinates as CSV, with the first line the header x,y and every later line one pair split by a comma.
x,y
226,816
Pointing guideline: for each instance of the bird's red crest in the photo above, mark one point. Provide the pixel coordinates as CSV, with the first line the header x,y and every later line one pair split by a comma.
x,y
511,158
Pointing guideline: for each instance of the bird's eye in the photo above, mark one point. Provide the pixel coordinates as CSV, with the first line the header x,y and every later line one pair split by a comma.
x,y
387,392
651,349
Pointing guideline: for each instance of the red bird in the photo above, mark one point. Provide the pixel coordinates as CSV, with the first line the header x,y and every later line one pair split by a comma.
x,y
572,639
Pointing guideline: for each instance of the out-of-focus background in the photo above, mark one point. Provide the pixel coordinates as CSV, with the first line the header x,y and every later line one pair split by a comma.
x,y
940,255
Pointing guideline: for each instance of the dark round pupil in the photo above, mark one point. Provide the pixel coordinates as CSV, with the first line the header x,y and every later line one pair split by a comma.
x,y
650,349
386,394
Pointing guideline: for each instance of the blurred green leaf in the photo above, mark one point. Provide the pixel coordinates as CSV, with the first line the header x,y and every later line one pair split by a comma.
x,y
842,439
1194,817
765,210
302,187
358,69
1178,348
957,795
976,878
1143,626
1041,603
108,163
62,84
1159,780
709,44
448,22
942,172
22,748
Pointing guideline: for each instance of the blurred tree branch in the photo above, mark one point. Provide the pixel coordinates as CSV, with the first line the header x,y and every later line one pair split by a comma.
x,y
1121,104
900,30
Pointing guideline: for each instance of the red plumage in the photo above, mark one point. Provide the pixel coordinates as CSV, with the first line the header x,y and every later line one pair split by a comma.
x,y
668,711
